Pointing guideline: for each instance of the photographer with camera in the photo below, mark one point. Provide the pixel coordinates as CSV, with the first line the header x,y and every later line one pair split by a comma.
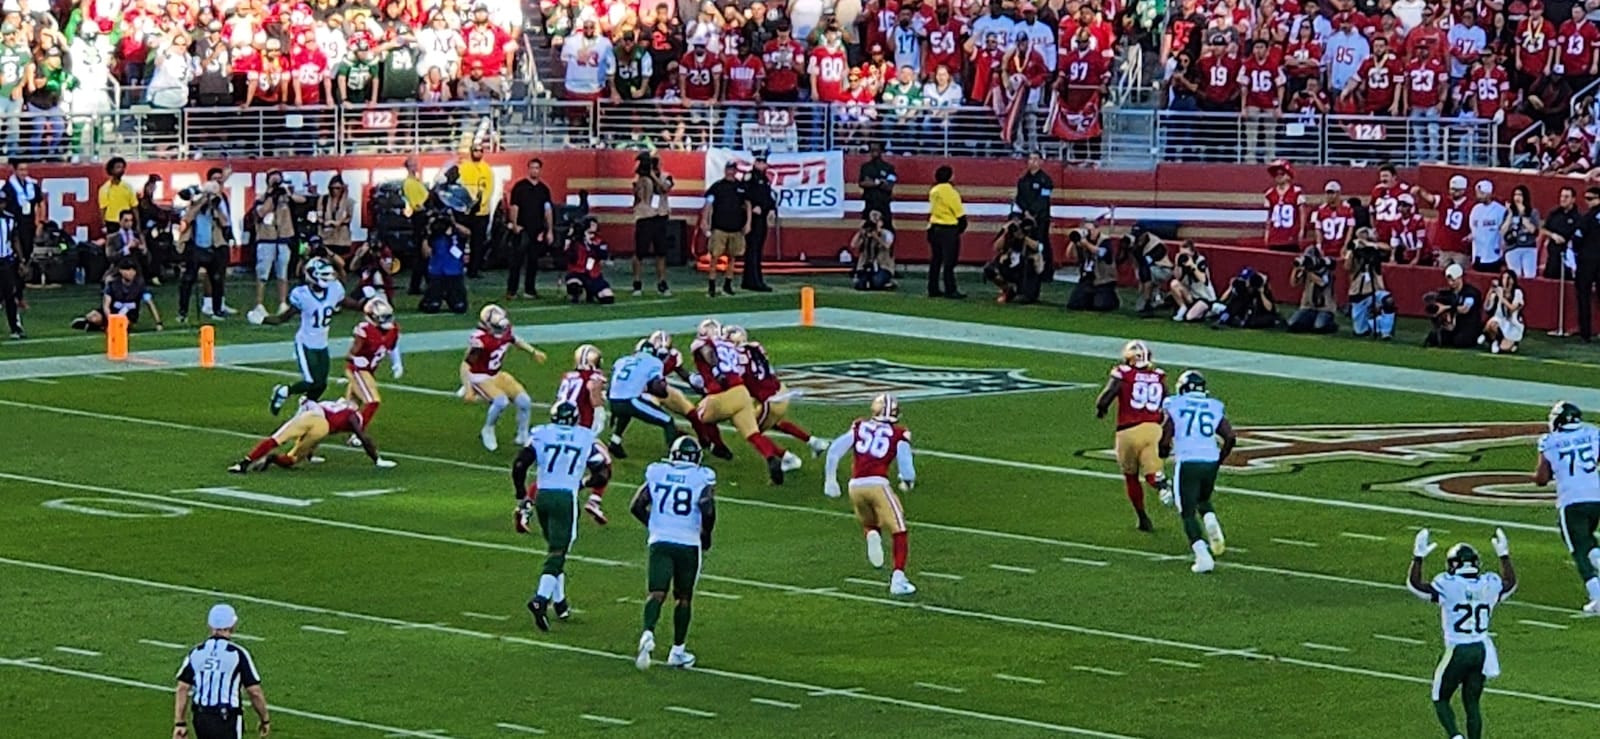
x,y
334,213
207,237
1097,268
1503,331
1314,274
652,213
586,257
275,232
1248,302
1018,261
1372,308
447,248
873,246
1456,310
1191,285
1153,265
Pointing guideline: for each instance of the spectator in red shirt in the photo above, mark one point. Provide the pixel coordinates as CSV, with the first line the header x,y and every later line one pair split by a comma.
x,y
308,66
986,63
1536,43
1303,58
1218,96
699,74
488,43
1285,202
877,70
785,60
1377,80
1428,34
1261,81
742,75
1423,98
269,81
1334,221
827,68
947,36
1579,41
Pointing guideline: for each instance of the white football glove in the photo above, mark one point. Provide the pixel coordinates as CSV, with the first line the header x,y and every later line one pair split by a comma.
x,y
907,485
383,464
255,317
1422,547
831,489
1502,546
399,370
697,382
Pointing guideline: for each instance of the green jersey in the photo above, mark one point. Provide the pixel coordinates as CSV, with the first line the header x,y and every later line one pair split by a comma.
x,y
906,99
633,74
13,60
400,80
358,78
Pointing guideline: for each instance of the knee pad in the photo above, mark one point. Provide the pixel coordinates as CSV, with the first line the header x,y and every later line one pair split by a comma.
x,y
524,402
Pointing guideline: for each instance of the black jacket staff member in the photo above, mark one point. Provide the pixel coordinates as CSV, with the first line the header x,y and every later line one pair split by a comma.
x,y
763,211
1457,312
947,220
532,231
1560,231
652,207
1034,189
1587,247
725,220
877,186
210,680
25,199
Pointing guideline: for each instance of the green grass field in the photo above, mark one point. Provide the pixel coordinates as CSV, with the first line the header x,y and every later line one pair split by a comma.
x,y
390,602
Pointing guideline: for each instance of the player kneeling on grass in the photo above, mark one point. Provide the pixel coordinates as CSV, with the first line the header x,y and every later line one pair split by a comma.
x,y
877,442
123,295
564,453
677,504
1467,599
376,337
586,261
1569,454
1193,422
313,423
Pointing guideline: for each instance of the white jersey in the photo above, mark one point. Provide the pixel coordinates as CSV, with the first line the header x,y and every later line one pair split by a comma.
x,y
316,313
907,48
1573,455
1195,418
562,454
632,374
1466,605
675,490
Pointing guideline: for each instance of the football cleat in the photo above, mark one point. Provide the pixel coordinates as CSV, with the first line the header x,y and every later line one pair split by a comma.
x,y
647,644
721,451
1564,415
775,470
353,442
616,449
563,609
564,414
818,445
1219,544
1144,523
486,435
899,585
379,312
709,329
1592,607
685,449
493,319
1136,354
521,439
735,334
586,357
678,657
383,464
315,459
280,396
1167,498
791,462
592,507
240,467
875,548
1191,381
540,610
1203,561
886,408
1461,559
319,273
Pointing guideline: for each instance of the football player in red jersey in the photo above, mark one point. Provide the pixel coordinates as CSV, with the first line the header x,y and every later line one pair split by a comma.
x,y
720,366
1385,203
1137,386
482,375
376,336
771,397
1285,203
584,386
878,442
1334,221
313,423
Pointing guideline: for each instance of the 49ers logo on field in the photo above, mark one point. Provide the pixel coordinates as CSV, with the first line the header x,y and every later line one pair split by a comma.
x,y
1478,488
1287,448
860,380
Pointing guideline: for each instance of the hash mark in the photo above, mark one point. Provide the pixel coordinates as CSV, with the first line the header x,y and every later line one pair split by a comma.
x,y
1018,679
685,710
162,644
519,727
1098,670
92,653
721,596
863,581
1014,568
485,616
775,703
118,378
1176,663
1363,537
1429,528
1296,543
1540,624
1324,647
40,381
597,718
938,687
1089,562
323,630
940,575
1399,639
832,691
248,637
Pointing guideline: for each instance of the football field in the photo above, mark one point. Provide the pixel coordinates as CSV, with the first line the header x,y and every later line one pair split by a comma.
x,y
390,602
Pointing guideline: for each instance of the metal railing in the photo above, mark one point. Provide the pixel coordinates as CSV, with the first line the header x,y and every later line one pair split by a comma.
x,y
1340,140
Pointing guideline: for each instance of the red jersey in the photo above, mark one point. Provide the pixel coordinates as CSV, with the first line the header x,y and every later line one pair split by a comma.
x,y
827,69
1576,43
493,351
268,81
1219,78
728,364
1492,89
671,362
308,68
1262,81
1380,77
877,447
1102,38
1139,395
1283,215
944,45
1333,224
575,389
486,44
1425,83
1431,37
1085,72
699,74
1452,231
343,418
877,75
759,375
1311,51
1536,40
744,77
779,59
1410,239
376,343
1385,207
880,24
587,259
986,66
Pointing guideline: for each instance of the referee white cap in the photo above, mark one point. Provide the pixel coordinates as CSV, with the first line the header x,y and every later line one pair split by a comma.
x,y
222,616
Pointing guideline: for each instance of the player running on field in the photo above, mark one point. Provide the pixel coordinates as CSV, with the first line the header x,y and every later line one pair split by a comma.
x,y
720,365
877,442
1137,386
562,453
1569,454
307,429
770,396
315,302
584,386
483,375
377,336
1193,422
1467,599
677,504
637,381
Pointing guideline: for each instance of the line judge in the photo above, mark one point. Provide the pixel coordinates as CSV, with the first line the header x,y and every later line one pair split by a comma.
x,y
210,680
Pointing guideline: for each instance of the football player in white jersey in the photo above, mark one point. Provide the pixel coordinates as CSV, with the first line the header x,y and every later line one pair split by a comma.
x,y
566,457
1467,599
1193,422
314,302
677,504
638,382
1569,455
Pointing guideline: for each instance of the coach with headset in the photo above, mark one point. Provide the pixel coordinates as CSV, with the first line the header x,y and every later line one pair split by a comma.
x,y
211,676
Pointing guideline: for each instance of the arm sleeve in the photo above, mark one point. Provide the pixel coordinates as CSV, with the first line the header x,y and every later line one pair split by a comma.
x,y
902,456
836,452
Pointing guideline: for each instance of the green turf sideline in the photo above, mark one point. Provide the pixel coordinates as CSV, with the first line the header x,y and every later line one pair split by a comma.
x,y
558,646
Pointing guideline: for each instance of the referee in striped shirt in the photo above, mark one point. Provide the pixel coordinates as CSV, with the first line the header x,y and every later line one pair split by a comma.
x,y
212,675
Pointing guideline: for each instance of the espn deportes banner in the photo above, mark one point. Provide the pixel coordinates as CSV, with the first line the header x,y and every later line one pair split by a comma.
x,y
807,185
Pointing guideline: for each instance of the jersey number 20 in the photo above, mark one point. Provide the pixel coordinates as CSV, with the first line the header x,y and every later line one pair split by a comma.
x,y
1474,618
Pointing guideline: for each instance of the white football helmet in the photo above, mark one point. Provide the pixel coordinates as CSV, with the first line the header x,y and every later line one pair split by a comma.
x,y
886,407
1136,354
586,357
710,328
658,343
493,319
320,273
379,312
735,335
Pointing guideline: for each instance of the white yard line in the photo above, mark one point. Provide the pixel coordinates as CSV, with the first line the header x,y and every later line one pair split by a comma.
x,y
1014,568
42,381
609,720
367,493
1324,647
1097,671
1177,663
1543,624
687,711
79,652
33,664
774,703
1017,679
485,616
939,575
118,378
323,630
247,637
864,581
1362,537
163,644
1400,639
940,688
1295,543
1086,562
518,728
